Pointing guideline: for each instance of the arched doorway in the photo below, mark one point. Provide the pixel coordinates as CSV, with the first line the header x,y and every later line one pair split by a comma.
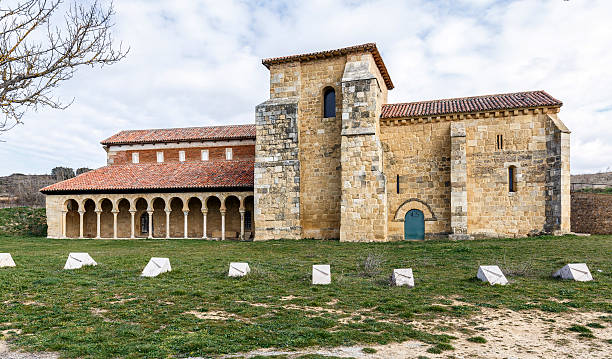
x,y
414,225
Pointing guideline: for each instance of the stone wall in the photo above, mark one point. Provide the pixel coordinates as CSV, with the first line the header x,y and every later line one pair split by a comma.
x,y
364,192
319,142
591,213
277,170
420,153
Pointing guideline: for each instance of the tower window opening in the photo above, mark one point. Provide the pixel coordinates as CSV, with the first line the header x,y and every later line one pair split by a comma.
x,y
511,179
500,142
329,103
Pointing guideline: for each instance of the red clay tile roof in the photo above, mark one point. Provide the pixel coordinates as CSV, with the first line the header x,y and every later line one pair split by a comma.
x,y
159,176
371,47
234,132
507,101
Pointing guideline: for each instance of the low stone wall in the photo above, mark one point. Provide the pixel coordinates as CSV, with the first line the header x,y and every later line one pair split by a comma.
x,y
591,213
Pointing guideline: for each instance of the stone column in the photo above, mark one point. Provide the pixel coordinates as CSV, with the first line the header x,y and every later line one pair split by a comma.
x,y
168,211
98,213
64,220
459,202
185,213
242,224
204,213
133,214
81,215
222,224
150,223
115,213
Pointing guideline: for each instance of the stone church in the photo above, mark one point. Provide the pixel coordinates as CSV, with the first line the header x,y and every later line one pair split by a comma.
x,y
328,157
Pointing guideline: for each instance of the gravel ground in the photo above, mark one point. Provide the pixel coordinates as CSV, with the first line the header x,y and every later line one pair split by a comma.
x,y
5,353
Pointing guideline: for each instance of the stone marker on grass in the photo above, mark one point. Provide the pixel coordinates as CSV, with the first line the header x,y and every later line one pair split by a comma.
x,y
6,260
575,271
402,276
77,260
321,274
492,275
238,269
156,266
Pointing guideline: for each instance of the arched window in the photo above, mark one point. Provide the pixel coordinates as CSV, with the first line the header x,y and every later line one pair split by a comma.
x,y
511,179
329,102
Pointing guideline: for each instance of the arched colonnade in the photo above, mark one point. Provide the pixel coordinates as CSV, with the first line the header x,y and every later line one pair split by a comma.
x,y
162,215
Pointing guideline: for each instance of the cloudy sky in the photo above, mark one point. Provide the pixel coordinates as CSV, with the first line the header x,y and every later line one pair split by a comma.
x,y
198,63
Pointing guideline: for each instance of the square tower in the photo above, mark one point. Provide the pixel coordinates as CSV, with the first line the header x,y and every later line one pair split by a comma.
x,y
318,170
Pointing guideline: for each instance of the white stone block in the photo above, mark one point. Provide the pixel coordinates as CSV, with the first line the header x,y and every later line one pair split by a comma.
x,y
402,276
238,269
575,271
321,274
156,266
492,275
77,260
6,260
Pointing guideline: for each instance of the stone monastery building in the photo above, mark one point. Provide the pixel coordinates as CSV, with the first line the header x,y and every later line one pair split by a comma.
x,y
328,157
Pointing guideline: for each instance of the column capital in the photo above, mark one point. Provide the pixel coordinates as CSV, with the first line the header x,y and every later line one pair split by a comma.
x,y
223,211
98,210
132,211
149,212
242,211
168,211
186,212
115,211
204,211
81,212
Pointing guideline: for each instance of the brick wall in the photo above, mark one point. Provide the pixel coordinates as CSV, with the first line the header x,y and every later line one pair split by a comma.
x,y
591,213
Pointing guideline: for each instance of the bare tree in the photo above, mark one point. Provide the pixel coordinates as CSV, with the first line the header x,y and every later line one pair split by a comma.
x,y
37,53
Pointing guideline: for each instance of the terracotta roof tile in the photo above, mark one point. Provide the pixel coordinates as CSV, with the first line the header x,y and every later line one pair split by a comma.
x,y
470,104
158,176
233,132
370,47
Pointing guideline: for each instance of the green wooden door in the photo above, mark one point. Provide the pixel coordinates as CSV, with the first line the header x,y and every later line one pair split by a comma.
x,y
414,225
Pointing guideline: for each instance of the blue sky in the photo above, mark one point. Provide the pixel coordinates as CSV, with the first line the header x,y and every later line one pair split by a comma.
x,y
198,63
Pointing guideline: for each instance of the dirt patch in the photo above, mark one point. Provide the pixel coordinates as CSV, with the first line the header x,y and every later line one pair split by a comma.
x,y
121,300
7,353
31,302
216,315
9,332
508,334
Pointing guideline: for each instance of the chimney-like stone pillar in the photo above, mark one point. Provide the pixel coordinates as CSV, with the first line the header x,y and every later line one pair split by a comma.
x,y
458,175
364,197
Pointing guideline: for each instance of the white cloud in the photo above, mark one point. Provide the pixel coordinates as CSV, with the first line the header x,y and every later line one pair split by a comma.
x,y
195,63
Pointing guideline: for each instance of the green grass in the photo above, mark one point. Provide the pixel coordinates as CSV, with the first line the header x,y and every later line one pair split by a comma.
x,y
606,190
580,329
109,311
480,340
595,325
23,221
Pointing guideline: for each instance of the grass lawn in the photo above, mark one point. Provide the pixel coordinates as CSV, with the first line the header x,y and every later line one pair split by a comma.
x,y
109,311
